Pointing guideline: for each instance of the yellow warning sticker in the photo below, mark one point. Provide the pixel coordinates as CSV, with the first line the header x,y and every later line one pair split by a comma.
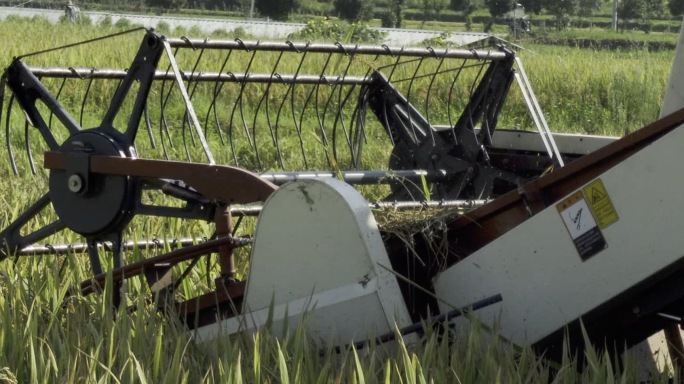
x,y
581,225
600,204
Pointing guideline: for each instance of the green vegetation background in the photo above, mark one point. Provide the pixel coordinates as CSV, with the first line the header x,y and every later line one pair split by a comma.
x,y
45,337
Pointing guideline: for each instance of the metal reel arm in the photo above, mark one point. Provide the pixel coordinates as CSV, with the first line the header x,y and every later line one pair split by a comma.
x,y
229,185
11,239
28,90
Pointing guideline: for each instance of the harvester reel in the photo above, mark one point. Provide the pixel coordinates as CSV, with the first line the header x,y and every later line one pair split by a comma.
x,y
76,191
98,176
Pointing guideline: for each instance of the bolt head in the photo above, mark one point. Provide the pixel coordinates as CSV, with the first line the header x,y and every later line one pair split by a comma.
x,y
75,183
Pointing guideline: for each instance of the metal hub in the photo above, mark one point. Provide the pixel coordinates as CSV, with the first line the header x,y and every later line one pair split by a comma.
x,y
90,204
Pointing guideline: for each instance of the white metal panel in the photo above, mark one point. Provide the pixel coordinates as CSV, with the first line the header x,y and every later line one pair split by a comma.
x,y
567,143
318,250
674,93
654,352
536,266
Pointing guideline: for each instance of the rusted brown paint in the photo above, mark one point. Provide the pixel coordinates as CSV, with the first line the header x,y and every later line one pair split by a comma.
x,y
172,258
229,185
481,226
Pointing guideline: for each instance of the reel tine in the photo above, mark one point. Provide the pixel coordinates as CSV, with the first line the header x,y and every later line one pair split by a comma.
x,y
264,98
239,101
408,100
251,140
319,118
271,128
212,106
357,125
148,125
339,117
358,122
450,98
333,138
280,109
297,127
29,155
469,111
59,93
85,99
10,153
231,125
187,122
396,64
163,124
347,132
185,141
429,91
192,86
303,110
94,256
216,119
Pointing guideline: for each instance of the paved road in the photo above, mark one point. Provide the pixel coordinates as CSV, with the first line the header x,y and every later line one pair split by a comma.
x,y
259,29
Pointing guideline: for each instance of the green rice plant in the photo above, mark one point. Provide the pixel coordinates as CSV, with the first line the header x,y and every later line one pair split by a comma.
x,y
48,334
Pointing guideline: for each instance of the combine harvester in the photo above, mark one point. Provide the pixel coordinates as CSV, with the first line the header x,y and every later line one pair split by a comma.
x,y
557,228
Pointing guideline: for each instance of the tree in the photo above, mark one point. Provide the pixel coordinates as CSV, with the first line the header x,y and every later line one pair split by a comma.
x,y
588,7
467,7
563,10
276,9
433,8
655,9
534,6
632,9
396,7
498,8
676,7
166,4
353,10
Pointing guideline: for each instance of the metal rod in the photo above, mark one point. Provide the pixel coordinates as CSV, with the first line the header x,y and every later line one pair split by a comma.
x,y
116,74
336,48
63,249
188,104
535,118
535,103
254,210
674,318
360,177
416,327
238,211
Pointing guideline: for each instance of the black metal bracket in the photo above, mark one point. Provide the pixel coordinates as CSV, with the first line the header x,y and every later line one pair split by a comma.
x,y
418,145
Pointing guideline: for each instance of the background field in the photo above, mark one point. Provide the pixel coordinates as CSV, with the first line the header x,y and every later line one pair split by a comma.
x,y
45,337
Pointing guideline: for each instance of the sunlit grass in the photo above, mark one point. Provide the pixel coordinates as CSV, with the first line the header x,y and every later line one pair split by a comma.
x,y
45,337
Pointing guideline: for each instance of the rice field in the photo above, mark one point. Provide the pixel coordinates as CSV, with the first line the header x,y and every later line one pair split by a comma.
x,y
49,336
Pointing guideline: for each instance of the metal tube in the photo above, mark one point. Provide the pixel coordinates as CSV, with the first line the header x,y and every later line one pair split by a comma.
x,y
63,249
540,113
254,210
413,328
116,74
238,211
535,118
359,177
188,104
336,48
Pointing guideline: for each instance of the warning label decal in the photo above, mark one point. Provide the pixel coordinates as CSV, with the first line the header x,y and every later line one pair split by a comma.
x,y
600,204
581,225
